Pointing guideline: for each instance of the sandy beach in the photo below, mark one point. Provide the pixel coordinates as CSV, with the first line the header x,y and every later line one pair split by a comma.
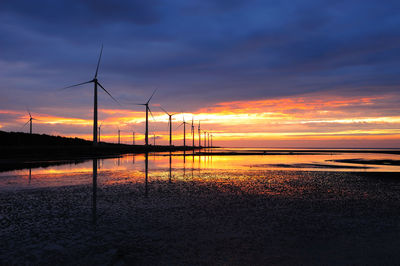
x,y
226,217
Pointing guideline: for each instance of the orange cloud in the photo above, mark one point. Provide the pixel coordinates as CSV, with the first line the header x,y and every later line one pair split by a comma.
x,y
291,118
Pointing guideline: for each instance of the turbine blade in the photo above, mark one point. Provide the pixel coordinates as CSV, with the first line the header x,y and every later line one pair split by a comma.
x,y
179,126
98,62
101,86
77,85
151,114
28,112
151,96
25,124
164,110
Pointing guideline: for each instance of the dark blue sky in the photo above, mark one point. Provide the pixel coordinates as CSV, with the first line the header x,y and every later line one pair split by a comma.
x,y
196,52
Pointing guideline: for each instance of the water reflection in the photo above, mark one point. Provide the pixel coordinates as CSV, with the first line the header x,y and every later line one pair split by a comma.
x,y
170,167
129,168
94,192
146,191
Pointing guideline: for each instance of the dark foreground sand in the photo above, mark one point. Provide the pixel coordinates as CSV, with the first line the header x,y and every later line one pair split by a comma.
x,y
247,217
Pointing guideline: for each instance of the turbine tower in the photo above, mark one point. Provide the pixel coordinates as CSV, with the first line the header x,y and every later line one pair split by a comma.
x,y
119,136
133,138
147,117
199,133
96,83
170,125
192,130
184,131
100,132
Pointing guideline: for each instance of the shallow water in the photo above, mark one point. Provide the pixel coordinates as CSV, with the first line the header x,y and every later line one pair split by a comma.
x,y
131,168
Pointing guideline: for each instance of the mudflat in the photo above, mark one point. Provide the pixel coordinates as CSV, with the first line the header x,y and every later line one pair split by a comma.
x,y
210,217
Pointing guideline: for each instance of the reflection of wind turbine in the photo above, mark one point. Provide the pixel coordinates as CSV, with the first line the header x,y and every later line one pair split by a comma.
x,y
96,83
147,117
170,166
146,165
29,121
170,125
94,191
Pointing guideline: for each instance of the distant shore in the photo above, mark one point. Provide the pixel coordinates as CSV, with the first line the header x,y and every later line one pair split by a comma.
x,y
21,150
20,157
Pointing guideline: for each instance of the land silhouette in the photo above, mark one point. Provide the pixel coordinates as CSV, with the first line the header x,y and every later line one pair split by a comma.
x,y
19,150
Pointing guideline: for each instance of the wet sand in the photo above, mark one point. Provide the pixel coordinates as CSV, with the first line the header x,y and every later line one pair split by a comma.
x,y
364,161
226,217
310,165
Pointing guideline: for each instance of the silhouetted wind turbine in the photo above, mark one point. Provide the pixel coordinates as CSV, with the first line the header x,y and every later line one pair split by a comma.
x,y
133,138
147,117
184,131
192,130
199,133
170,125
29,121
119,136
100,131
95,82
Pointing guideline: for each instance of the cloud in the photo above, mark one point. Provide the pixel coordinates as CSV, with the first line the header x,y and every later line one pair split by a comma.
x,y
199,54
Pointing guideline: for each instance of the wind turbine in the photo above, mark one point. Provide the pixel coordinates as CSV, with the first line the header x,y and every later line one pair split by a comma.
x,y
100,131
184,131
192,130
205,139
96,83
119,136
170,125
199,133
29,121
133,138
147,117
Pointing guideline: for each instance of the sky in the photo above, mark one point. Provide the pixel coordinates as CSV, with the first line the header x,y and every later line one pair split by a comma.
x,y
256,73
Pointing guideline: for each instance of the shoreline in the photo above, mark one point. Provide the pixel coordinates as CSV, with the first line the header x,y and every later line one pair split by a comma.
x,y
22,157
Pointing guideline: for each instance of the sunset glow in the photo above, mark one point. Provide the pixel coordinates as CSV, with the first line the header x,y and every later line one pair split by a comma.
x,y
272,122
